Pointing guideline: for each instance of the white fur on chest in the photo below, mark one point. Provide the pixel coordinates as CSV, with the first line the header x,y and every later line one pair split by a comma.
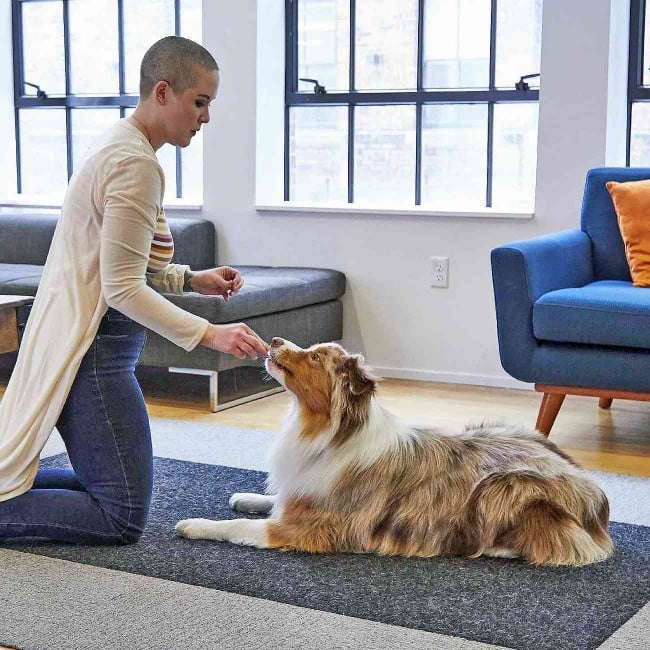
x,y
300,467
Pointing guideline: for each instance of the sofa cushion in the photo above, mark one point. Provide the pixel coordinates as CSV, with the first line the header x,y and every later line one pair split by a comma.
x,y
20,279
267,290
607,312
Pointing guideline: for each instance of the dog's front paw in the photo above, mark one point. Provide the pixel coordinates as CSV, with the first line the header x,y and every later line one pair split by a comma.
x,y
194,528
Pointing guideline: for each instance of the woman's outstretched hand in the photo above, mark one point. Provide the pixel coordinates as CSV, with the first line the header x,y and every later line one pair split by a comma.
x,y
235,338
220,281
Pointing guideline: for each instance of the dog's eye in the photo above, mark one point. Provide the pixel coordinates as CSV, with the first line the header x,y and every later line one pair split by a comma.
x,y
315,356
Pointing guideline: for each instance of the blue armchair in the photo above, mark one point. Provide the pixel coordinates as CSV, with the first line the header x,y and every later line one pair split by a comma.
x,y
568,318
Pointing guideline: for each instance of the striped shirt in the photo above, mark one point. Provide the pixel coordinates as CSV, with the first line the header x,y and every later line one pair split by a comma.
x,y
162,246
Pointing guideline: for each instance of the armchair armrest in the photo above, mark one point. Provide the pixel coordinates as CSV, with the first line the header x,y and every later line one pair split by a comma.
x,y
522,272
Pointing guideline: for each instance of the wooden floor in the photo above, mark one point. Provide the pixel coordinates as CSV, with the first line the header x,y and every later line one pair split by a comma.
x,y
614,440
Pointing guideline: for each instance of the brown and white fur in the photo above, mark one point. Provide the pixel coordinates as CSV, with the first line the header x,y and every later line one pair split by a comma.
x,y
348,476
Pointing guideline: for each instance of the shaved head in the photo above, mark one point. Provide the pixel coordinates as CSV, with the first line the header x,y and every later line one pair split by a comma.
x,y
173,59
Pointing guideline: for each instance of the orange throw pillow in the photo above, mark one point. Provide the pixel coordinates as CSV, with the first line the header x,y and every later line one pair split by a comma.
x,y
632,205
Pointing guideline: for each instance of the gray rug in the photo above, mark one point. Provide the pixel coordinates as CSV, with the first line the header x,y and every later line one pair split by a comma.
x,y
495,601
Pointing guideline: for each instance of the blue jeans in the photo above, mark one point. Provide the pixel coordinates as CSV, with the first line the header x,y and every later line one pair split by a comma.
x,y
104,424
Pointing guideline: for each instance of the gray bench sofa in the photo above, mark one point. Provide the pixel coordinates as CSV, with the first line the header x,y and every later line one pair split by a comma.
x,y
300,304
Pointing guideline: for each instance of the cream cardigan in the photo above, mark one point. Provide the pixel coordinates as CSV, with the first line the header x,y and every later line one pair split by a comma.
x,y
98,259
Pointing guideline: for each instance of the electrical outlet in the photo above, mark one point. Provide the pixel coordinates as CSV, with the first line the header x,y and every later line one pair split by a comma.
x,y
439,271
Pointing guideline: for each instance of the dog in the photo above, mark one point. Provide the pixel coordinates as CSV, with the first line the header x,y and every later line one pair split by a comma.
x,y
346,475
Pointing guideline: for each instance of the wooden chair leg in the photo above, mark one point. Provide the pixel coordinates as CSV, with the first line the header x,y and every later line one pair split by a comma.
x,y
605,402
551,403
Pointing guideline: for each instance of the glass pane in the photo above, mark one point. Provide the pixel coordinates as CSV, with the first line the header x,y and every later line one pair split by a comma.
x,y
145,22
515,156
43,155
318,145
454,155
93,47
324,43
646,48
192,166
640,135
87,125
384,154
167,159
386,44
456,44
519,41
191,20
43,47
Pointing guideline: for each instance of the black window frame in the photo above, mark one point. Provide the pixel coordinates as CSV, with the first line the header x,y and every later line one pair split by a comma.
x,y
418,97
636,91
70,101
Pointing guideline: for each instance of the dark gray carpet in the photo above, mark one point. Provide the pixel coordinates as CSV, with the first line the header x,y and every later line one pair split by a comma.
x,y
502,602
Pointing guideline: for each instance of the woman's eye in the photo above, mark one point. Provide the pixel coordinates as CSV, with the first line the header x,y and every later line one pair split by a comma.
x,y
315,357
200,104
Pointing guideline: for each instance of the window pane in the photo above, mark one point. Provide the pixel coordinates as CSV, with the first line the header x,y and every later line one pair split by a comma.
x,y
386,44
43,47
454,155
519,41
384,154
318,142
191,21
515,155
192,156
167,159
324,43
93,47
640,135
456,44
43,155
646,49
145,22
87,125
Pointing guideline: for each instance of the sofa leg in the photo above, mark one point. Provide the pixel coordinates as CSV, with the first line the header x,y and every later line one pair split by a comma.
x,y
213,375
605,402
551,403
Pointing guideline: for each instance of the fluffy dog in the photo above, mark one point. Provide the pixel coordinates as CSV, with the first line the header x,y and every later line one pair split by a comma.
x,y
348,476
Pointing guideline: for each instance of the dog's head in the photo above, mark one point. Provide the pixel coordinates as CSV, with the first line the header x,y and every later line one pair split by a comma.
x,y
333,388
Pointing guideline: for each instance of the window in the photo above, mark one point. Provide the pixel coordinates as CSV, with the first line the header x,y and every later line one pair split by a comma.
x,y
638,123
412,102
76,71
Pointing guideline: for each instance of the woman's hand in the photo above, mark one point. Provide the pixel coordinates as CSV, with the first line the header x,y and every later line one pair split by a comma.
x,y
221,281
235,338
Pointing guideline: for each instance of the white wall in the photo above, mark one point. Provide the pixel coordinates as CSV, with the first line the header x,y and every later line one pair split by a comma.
x,y
404,327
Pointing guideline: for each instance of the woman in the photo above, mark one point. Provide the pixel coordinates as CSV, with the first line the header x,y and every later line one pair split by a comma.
x,y
110,253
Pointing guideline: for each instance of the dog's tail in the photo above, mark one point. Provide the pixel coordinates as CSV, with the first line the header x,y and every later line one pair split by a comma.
x,y
544,520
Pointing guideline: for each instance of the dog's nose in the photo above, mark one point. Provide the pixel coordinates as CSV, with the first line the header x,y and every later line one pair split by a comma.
x,y
276,342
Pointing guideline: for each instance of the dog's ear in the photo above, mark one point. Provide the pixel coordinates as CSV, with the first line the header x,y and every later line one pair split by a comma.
x,y
359,378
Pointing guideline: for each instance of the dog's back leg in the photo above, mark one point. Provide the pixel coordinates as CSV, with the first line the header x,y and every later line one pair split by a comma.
x,y
516,511
546,533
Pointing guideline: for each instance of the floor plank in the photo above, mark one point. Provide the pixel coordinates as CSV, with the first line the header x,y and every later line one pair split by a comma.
x,y
613,440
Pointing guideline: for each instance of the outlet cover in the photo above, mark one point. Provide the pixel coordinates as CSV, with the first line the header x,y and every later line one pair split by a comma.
x,y
440,272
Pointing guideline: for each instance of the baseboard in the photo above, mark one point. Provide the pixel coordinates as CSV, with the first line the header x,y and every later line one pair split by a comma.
x,y
493,381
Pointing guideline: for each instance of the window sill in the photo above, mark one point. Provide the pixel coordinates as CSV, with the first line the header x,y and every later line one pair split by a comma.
x,y
425,211
43,202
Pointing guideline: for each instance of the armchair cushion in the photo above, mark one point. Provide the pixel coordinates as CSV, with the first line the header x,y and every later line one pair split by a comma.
x,y
607,312
632,205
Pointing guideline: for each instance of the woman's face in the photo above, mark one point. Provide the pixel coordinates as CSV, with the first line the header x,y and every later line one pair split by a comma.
x,y
190,109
